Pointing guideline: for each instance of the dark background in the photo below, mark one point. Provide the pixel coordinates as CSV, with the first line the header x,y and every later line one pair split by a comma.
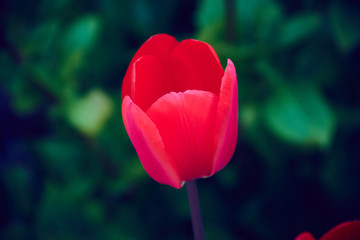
x,y
69,171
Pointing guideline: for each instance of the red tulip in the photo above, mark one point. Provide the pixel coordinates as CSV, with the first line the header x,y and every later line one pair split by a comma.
x,y
305,236
180,109
344,231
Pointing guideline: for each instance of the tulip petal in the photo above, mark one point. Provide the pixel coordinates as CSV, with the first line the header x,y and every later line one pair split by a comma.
x,y
159,46
186,124
147,81
344,231
149,146
305,236
194,65
226,127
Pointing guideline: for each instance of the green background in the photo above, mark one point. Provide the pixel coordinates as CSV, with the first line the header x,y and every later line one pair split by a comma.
x,y
69,171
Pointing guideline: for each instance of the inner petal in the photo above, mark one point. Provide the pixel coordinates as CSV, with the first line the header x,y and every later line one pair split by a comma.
x,y
147,81
159,46
186,123
194,65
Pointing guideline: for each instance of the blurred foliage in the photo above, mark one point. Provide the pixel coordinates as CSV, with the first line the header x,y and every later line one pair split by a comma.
x,y
69,171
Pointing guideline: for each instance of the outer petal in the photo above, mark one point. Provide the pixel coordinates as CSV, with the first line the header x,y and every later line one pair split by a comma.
x,y
159,46
226,127
344,231
148,145
147,81
305,236
186,124
194,65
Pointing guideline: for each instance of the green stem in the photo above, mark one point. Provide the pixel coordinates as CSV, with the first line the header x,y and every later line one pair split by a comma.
x,y
194,205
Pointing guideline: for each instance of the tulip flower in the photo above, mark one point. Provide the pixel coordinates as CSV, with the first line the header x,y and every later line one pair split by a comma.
x,y
344,231
180,109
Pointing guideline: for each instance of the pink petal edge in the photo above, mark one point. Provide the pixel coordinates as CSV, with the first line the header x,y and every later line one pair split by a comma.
x,y
149,146
226,128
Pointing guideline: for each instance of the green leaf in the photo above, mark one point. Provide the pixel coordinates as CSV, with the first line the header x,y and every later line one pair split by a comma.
x,y
209,12
63,211
257,11
345,25
39,77
90,113
61,159
82,34
78,40
298,28
300,116
18,181
42,39
25,97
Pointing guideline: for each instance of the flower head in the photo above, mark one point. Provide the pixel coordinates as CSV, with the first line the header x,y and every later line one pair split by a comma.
x,y
343,231
180,109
